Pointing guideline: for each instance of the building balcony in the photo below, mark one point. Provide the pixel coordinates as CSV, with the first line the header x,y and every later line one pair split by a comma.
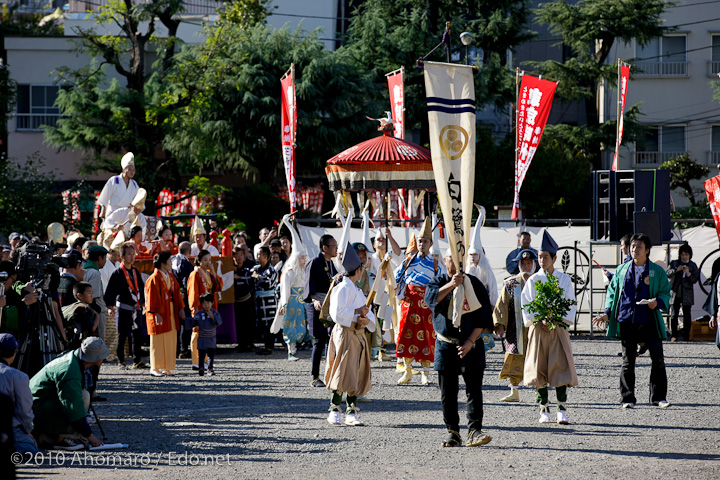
x,y
713,69
662,69
198,7
648,159
713,158
32,122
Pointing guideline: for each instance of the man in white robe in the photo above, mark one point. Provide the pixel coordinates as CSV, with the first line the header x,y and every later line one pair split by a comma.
x,y
119,190
127,217
347,368
549,359
199,233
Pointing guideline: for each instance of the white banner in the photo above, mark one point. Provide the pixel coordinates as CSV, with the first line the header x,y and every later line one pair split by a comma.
x,y
451,116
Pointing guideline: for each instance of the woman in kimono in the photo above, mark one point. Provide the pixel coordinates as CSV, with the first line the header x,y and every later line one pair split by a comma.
x,y
202,280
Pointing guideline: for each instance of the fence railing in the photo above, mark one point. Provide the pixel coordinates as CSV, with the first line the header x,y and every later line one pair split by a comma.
x,y
713,158
196,7
662,69
653,158
32,121
713,69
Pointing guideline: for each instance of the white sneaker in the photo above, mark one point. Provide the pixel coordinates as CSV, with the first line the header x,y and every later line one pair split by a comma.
x,y
156,373
662,404
628,405
334,417
562,418
544,418
351,419
91,420
425,378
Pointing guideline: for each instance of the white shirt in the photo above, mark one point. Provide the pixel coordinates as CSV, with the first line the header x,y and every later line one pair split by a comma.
x,y
344,299
529,292
106,271
486,276
122,216
115,194
194,250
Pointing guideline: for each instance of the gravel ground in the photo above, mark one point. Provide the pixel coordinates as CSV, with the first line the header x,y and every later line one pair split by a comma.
x,y
259,418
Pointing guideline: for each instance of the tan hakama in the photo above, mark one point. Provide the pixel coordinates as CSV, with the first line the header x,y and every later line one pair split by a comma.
x,y
347,367
549,359
162,351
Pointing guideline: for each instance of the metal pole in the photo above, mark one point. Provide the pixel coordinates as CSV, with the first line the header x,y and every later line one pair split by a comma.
x,y
448,41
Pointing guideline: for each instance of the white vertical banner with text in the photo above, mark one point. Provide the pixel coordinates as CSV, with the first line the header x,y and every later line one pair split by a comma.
x,y
288,121
451,116
397,101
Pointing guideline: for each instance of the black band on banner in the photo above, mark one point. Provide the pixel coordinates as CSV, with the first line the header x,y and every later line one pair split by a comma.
x,y
451,101
450,110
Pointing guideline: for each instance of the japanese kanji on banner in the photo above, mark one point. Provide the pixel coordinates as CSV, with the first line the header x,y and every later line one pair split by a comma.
x,y
712,190
288,120
533,107
397,102
623,79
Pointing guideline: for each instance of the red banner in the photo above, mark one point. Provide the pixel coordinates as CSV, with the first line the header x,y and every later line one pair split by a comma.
x,y
288,120
534,102
397,102
712,190
623,80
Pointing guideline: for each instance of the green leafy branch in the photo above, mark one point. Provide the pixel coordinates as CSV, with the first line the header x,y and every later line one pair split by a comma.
x,y
549,305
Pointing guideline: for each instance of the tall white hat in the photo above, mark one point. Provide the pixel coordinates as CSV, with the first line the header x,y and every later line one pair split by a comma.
x,y
475,241
435,248
297,245
197,227
118,241
139,200
366,229
345,238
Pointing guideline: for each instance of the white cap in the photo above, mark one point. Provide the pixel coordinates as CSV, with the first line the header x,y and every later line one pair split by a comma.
x,y
127,160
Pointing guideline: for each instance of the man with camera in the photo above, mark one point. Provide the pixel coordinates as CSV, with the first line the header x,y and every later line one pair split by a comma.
x,y
15,297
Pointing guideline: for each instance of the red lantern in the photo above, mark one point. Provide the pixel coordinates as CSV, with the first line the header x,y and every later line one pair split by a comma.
x,y
226,243
214,239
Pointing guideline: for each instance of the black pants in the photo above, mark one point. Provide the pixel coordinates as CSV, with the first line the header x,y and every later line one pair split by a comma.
x,y
210,352
630,335
687,319
245,324
449,380
125,331
321,334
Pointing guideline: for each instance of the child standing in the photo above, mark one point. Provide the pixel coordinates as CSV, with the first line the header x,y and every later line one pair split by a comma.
x,y
207,320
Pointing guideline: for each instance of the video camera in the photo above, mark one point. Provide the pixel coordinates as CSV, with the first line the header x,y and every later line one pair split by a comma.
x,y
36,261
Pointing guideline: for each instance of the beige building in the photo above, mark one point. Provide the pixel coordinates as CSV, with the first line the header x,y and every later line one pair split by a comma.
x,y
675,84
33,62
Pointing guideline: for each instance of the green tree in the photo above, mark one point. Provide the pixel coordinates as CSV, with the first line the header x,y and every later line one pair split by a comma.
x,y
231,85
103,118
385,35
29,198
590,28
683,170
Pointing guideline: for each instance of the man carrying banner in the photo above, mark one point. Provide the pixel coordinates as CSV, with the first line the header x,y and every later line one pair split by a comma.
x,y
457,352
416,336
508,320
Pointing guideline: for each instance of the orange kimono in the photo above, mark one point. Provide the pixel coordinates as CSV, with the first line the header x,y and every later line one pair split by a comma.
x,y
200,283
162,297
161,246
141,250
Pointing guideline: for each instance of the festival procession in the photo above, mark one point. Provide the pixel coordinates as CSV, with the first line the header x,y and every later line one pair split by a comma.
x,y
367,257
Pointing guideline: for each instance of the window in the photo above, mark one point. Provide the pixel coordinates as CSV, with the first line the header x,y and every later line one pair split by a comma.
x,y
714,154
661,143
36,106
663,57
714,63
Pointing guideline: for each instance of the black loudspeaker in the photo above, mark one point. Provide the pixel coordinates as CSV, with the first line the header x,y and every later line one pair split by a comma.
x,y
650,224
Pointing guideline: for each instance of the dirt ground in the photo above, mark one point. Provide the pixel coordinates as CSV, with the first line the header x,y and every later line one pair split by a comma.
x,y
260,418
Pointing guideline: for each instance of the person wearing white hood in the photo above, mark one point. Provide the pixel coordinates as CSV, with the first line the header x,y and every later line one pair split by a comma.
x,y
478,265
119,190
291,315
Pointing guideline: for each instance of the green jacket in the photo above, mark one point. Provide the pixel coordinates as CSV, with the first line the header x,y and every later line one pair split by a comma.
x,y
57,394
659,288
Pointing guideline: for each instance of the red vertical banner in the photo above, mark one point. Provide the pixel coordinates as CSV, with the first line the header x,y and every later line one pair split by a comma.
x,y
623,79
534,101
712,190
397,101
288,121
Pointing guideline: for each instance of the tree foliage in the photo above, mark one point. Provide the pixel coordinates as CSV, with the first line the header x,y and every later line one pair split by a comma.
x,y
28,197
683,170
231,84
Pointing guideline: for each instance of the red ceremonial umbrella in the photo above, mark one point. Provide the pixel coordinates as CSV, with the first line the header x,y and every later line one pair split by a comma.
x,y
381,163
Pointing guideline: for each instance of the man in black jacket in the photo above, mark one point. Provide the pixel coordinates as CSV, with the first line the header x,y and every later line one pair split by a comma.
x,y
125,297
456,352
182,268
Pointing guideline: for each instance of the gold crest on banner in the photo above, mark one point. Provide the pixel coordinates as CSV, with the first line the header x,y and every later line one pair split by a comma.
x,y
453,141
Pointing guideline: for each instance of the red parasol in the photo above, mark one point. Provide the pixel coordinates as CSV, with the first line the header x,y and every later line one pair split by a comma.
x,y
381,163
